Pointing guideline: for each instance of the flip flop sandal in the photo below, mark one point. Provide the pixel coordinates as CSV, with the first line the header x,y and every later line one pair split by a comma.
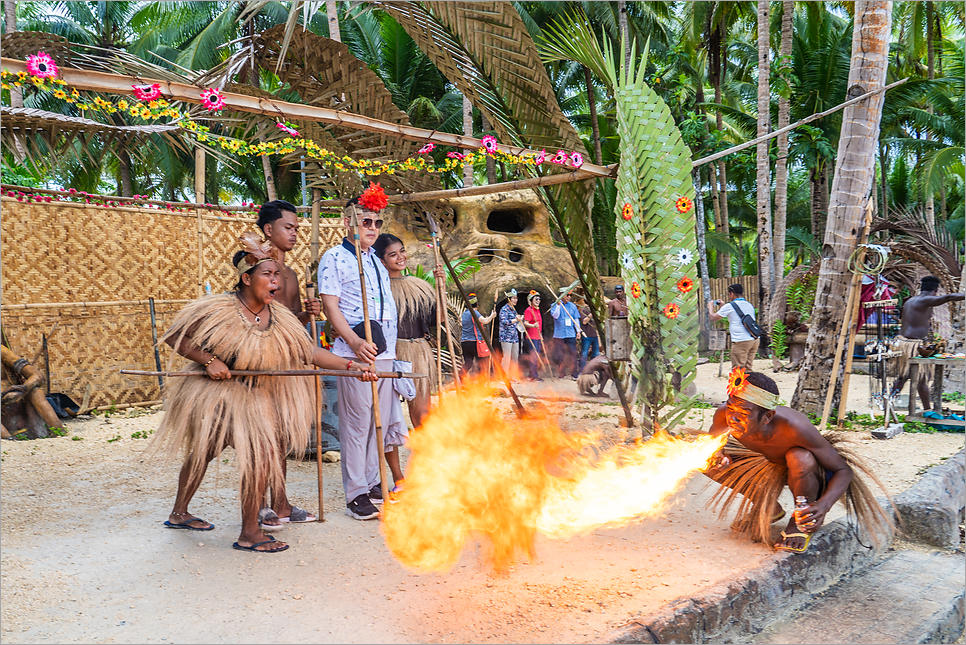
x,y
255,546
299,516
268,514
184,525
785,536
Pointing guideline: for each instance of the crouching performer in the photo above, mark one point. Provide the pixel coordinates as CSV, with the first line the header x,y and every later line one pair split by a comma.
x,y
262,417
771,446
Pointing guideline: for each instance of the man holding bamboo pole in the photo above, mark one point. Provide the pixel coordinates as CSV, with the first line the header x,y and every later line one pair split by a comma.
x,y
357,299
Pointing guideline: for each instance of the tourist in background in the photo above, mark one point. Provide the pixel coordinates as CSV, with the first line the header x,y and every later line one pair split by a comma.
x,y
589,343
470,334
566,332
509,333
533,322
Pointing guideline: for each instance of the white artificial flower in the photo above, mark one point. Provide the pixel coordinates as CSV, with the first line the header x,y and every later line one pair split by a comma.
x,y
684,257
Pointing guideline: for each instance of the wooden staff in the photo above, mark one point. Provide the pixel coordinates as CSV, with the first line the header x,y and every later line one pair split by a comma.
x,y
441,306
377,413
310,294
349,373
476,321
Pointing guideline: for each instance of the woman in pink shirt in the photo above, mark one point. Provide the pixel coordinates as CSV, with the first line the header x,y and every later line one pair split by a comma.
x,y
533,321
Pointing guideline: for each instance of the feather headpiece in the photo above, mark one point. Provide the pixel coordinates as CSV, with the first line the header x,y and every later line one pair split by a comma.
x,y
256,252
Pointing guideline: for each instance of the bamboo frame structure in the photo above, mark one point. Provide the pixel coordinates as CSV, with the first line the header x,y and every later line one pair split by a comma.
x,y
349,373
121,84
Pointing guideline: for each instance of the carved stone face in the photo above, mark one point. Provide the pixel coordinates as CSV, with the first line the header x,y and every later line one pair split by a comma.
x,y
509,234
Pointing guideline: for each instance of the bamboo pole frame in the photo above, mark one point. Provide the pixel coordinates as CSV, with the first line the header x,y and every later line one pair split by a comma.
x,y
82,79
200,199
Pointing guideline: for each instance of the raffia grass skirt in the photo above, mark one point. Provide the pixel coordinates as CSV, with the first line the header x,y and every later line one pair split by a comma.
x,y
418,352
755,483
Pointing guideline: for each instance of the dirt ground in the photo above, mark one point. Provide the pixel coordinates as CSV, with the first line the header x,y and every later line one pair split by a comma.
x,y
85,557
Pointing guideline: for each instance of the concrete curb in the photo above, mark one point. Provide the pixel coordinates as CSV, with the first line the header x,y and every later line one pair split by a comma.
x,y
731,611
933,509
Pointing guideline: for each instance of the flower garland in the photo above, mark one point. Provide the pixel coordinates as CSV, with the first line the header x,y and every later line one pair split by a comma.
x,y
151,107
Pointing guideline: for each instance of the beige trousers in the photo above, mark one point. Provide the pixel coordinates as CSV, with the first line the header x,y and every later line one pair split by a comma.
x,y
743,353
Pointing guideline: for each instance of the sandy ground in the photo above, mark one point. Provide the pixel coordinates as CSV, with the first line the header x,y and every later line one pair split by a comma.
x,y
85,557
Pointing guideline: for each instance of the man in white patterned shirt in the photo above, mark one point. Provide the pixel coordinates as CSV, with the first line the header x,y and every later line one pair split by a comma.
x,y
341,295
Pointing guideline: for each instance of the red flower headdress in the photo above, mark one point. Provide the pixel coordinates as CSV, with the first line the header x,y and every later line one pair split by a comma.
x,y
373,198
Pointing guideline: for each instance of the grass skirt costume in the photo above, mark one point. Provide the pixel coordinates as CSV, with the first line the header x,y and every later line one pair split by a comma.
x,y
758,482
908,348
416,304
262,417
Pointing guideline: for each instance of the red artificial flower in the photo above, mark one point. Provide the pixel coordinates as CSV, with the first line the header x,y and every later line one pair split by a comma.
x,y
284,126
685,284
147,92
684,204
489,142
212,100
373,198
672,311
456,155
426,149
560,158
636,290
41,65
627,212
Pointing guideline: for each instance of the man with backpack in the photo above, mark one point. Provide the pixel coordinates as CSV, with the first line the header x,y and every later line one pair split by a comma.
x,y
745,332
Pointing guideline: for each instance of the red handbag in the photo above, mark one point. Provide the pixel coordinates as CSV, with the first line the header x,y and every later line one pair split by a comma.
x,y
482,351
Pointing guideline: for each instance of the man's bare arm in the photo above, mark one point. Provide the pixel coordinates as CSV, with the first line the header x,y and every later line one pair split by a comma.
x,y
935,301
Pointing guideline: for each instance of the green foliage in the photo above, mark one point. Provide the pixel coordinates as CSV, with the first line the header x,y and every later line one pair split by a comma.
x,y
915,426
57,432
142,434
953,397
779,339
77,438
801,296
116,437
464,268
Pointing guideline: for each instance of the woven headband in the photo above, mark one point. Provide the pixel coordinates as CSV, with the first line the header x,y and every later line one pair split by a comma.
x,y
740,388
243,265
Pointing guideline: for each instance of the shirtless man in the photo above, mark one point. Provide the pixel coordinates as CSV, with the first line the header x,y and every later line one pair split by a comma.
x,y
617,308
915,316
278,222
596,372
785,437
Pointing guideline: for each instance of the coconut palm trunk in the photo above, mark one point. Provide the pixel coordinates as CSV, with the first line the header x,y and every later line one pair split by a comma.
x,y
332,13
930,206
10,26
851,189
766,280
781,164
467,131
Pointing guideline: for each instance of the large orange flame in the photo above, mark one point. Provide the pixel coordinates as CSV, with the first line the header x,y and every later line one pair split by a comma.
x,y
472,472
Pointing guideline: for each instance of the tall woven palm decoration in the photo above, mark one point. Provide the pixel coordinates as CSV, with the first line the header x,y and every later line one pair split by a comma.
x,y
655,240
484,49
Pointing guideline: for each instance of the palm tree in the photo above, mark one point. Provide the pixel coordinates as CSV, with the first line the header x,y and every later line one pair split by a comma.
x,y
766,277
781,163
851,187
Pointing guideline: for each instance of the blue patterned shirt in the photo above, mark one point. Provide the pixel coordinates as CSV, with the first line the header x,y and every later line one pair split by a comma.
x,y
508,325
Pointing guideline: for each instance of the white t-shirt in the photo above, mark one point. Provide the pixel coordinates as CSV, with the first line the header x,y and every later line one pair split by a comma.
x,y
738,331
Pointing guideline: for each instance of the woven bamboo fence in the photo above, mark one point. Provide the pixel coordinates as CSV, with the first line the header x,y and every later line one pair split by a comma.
x,y
82,274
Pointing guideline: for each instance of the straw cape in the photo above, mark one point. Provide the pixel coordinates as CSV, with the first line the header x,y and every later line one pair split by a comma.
x,y
416,299
759,482
261,417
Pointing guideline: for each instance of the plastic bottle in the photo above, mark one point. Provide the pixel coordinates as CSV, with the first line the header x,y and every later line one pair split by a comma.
x,y
801,504
207,288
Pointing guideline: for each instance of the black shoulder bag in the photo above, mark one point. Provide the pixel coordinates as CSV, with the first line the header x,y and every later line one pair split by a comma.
x,y
378,338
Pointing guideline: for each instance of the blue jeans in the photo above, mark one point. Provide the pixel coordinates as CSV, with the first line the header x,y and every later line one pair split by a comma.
x,y
589,349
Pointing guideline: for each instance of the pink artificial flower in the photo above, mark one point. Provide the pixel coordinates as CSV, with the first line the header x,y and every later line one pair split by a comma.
x,y
541,157
560,158
212,100
291,131
489,142
456,155
147,92
576,159
426,149
41,65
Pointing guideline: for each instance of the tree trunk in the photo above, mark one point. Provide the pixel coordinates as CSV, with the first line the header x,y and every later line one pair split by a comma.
x,y
595,127
719,267
468,132
124,164
851,188
490,165
699,225
931,71
781,164
725,224
718,79
10,26
818,194
625,37
766,260
253,80
333,14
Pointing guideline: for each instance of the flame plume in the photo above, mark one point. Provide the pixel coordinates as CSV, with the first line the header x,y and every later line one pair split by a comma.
x,y
473,472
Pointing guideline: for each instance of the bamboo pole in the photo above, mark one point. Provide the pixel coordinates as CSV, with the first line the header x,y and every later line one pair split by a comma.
x,y
441,306
109,303
853,327
853,302
503,375
310,294
349,373
200,199
787,128
376,410
122,84
154,340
